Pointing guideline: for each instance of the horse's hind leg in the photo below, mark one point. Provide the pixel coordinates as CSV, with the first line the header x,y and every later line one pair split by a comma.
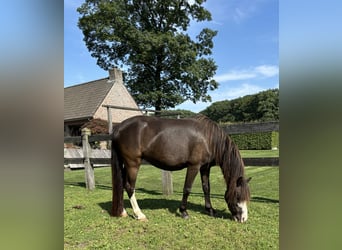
x,y
205,171
189,180
132,172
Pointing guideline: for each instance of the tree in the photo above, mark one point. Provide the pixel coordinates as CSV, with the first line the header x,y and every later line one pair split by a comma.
x,y
165,66
263,106
182,113
268,106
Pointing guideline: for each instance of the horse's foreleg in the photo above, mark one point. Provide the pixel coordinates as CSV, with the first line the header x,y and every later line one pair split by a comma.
x,y
189,180
205,172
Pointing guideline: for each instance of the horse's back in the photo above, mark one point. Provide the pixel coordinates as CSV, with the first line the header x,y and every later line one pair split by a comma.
x,y
166,143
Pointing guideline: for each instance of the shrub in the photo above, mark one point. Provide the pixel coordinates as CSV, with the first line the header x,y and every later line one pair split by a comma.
x,y
258,141
97,126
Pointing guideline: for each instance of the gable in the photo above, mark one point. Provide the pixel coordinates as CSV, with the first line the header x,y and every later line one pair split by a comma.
x,y
118,96
84,101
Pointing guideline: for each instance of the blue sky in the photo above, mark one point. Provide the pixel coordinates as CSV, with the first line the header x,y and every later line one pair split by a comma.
x,y
245,48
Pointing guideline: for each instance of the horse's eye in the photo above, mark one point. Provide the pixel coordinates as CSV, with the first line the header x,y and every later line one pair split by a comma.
x,y
238,197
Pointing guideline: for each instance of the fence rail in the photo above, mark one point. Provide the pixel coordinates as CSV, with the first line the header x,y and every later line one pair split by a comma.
x,y
248,161
92,138
88,158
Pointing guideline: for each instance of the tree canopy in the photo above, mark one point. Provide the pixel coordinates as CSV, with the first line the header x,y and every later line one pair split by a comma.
x,y
149,38
263,106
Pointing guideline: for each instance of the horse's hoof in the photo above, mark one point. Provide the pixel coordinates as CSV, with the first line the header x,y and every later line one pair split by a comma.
x,y
124,214
141,217
144,219
185,215
211,212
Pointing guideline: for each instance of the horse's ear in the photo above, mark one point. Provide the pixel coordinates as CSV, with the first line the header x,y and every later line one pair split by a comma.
x,y
239,181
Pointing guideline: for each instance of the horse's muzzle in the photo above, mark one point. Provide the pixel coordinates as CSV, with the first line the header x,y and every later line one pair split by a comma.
x,y
242,218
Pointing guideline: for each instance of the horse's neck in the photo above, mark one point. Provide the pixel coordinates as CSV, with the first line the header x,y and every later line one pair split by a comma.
x,y
231,164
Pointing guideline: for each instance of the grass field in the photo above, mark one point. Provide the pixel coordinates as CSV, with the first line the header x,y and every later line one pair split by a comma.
x,y
259,153
87,224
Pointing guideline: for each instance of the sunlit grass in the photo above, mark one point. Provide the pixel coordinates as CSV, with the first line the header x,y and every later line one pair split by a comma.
x,y
259,153
87,224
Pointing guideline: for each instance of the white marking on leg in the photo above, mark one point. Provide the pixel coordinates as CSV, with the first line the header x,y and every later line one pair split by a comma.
x,y
136,208
244,215
124,213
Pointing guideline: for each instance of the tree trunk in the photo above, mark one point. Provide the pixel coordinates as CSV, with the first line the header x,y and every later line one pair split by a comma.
x,y
159,68
158,108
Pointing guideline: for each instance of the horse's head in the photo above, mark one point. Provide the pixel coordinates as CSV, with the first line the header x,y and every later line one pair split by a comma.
x,y
238,198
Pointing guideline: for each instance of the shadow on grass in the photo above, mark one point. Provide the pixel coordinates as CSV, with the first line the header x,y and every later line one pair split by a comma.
x,y
153,192
213,196
82,184
263,200
171,205
75,184
180,193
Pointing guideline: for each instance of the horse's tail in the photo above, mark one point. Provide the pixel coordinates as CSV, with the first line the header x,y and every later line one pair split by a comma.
x,y
117,182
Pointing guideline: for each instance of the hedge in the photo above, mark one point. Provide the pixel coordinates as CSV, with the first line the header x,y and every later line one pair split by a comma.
x,y
258,141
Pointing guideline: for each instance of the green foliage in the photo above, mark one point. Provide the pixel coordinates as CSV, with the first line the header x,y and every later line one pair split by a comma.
x,y
87,224
263,106
259,141
166,67
182,113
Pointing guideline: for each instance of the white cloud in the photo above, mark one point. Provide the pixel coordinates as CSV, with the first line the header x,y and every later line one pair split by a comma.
x,y
254,72
267,70
236,92
244,10
235,75
239,15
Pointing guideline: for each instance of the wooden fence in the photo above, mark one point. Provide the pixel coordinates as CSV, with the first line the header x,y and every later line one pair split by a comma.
x,y
87,158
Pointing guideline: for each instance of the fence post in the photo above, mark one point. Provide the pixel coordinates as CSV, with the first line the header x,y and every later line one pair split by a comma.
x,y
110,126
89,170
167,182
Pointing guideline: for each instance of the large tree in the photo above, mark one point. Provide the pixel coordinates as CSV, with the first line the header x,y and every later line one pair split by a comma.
x,y
165,66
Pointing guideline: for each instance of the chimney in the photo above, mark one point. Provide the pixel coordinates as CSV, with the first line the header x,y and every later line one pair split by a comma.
x,y
115,75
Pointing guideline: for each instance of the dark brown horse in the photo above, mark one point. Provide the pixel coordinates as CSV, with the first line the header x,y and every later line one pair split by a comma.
x,y
173,144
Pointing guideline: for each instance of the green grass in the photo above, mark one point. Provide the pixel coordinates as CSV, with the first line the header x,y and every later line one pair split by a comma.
x,y
89,226
259,153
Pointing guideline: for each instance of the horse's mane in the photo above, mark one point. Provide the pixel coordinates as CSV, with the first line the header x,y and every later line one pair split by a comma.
x,y
226,155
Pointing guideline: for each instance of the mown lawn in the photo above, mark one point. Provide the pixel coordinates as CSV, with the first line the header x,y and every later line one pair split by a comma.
x,y
259,153
87,224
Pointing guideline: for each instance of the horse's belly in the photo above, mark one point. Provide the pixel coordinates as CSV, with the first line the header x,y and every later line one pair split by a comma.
x,y
167,163
175,149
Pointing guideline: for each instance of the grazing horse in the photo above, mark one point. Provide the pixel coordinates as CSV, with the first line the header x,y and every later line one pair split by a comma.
x,y
174,144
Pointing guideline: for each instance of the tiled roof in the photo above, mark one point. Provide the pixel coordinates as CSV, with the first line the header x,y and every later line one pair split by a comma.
x,y
81,101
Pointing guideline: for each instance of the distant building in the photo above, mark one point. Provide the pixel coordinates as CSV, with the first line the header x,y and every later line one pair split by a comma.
x,y
83,102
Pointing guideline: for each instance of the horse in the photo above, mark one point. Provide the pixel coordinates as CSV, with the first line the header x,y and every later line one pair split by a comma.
x,y
195,143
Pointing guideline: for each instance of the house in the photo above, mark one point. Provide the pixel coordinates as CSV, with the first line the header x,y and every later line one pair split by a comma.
x,y
83,102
